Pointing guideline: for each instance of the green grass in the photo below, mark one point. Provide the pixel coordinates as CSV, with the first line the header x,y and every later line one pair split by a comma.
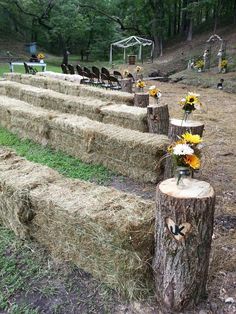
x,y
66,165
31,282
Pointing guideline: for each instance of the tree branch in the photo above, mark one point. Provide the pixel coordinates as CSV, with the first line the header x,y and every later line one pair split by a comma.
x,y
116,19
35,16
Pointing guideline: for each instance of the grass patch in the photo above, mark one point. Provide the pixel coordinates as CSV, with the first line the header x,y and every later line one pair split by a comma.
x,y
66,165
32,283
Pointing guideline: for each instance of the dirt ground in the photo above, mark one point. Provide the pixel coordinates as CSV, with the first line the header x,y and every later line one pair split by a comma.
x,y
218,168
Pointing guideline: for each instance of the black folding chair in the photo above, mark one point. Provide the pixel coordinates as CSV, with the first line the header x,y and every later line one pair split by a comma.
x,y
105,71
71,69
64,69
87,70
29,69
131,76
115,84
117,74
96,71
80,71
105,81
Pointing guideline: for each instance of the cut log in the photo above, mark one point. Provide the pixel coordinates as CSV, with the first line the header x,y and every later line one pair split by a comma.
x,y
141,99
158,119
126,85
183,235
178,127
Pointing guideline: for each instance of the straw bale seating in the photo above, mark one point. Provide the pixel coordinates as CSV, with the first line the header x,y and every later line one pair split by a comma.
x,y
104,231
97,109
71,88
128,152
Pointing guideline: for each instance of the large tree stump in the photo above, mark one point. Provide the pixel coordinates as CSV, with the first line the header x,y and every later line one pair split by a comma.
x,y
158,119
183,234
126,85
178,127
141,99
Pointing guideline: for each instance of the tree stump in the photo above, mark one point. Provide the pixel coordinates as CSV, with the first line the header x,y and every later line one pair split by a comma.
x,y
126,85
179,127
141,99
183,235
158,119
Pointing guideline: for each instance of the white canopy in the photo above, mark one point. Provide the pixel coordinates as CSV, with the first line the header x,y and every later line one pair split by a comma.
x,y
132,41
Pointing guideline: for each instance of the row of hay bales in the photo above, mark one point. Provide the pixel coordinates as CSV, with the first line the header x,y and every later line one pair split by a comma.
x,y
125,151
70,88
131,117
104,231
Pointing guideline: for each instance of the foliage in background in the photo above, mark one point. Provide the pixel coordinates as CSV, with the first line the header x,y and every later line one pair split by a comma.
x,y
88,27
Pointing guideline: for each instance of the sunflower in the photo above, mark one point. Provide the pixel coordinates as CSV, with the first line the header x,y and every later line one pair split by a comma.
x,y
224,63
192,139
191,99
40,56
154,92
193,161
140,84
138,68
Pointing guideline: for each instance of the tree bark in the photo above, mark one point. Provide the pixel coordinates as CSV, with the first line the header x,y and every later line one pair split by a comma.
x,y
158,119
183,235
126,85
179,127
141,99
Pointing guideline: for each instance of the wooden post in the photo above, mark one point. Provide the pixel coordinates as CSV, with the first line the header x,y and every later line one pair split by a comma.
x,y
179,127
158,119
126,85
141,99
183,234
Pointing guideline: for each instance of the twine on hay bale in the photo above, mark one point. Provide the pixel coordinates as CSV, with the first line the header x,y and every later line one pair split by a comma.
x,y
107,232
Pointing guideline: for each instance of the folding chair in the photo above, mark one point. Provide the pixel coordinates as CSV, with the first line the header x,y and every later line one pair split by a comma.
x,y
105,71
115,84
71,69
64,69
29,69
117,74
105,81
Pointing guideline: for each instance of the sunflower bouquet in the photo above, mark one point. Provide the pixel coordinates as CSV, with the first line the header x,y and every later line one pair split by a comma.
x,y
199,65
140,85
40,56
154,92
224,63
190,103
186,154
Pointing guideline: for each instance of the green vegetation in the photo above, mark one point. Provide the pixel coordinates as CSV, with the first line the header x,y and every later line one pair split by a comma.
x,y
88,27
32,283
66,165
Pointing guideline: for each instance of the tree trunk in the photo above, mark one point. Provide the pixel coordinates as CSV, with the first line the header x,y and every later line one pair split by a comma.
x,y
179,127
141,99
183,235
190,30
126,85
158,119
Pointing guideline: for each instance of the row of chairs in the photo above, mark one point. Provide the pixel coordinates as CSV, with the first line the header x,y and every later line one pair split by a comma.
x,y
95,76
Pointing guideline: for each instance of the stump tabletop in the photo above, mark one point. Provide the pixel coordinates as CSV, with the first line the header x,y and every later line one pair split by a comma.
x,y
194,188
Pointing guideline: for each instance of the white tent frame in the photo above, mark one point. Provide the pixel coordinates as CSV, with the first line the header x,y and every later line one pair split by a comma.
x,y
132,41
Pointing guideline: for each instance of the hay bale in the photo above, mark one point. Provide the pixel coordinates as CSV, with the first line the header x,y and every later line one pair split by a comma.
x,y
107,233
125,151
96,109
72,88
126,116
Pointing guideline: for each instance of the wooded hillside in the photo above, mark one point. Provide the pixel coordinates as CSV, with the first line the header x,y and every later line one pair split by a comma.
x,y
88,27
